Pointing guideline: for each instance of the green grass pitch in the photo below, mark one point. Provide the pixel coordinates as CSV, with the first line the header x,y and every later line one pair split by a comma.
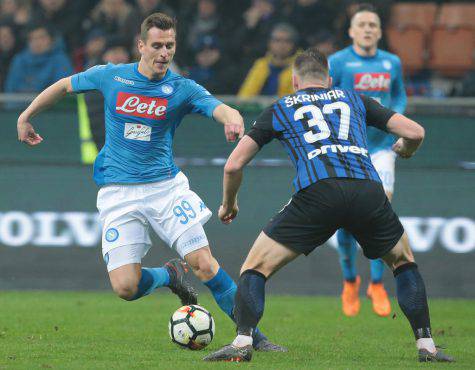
x,y
96,330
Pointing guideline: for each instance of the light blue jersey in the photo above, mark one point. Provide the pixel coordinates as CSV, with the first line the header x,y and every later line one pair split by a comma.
x,y
379,77
141,116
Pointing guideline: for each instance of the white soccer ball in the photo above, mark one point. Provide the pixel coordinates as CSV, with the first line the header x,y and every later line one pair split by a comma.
x,y
191,327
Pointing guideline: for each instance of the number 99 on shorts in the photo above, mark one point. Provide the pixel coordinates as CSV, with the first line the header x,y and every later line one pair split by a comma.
x,y
184,211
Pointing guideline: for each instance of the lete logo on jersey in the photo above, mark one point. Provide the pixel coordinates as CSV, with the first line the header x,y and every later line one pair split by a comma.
x,y
141,106
372,81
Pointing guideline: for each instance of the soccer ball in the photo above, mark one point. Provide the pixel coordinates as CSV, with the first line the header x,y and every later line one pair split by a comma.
x,y
191,327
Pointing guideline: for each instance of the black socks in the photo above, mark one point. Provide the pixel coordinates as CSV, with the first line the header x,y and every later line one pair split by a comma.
x,y
249,301
412,298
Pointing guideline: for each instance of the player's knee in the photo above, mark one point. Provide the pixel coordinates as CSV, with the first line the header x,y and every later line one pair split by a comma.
x,y
399,255
203,264
125,290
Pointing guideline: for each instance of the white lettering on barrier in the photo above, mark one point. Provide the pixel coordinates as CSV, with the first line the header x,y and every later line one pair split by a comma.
x,y
47,234
83,229
422,232
457,235
50,229
16,229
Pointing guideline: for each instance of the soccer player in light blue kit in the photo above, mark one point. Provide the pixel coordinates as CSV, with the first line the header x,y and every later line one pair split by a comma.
x,y
377,74
141,187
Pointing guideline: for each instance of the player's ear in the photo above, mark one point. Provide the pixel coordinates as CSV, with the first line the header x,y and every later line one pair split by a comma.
x,y
140,45
350,32
295,81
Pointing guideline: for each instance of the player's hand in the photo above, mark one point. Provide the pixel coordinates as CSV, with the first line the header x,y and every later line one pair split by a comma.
x,y
27,134
228,214
234,130
400,148
234,126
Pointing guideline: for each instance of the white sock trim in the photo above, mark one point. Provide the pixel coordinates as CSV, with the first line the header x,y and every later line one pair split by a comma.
x,y
242,341
426,343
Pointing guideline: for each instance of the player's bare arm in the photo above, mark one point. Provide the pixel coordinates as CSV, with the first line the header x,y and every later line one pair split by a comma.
x,y
49,96
410,133
232,121
241,155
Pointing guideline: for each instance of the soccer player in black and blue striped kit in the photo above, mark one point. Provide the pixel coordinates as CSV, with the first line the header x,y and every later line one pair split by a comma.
x,y
324,132
375,73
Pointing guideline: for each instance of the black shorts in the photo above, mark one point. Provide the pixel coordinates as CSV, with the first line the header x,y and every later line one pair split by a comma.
x,y
315,213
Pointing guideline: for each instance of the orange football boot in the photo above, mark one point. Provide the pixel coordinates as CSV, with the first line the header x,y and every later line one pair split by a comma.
x,y
349,297
379,298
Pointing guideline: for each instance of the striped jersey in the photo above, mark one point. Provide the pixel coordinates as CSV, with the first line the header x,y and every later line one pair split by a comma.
x,y
323,132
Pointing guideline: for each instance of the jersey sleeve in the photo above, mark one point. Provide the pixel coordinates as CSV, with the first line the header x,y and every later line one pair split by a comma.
x,y
262,130
334,69
201,101
376,115
90,79
398,92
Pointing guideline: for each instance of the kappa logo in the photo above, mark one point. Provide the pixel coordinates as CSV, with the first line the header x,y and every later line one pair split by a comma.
x,y
353,64
372,81
141,106
123,80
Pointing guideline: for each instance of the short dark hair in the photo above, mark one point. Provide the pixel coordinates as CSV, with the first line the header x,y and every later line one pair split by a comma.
x,y
158,20
311,63
365,7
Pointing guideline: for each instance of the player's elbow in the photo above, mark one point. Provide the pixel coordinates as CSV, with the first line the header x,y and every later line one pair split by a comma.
x,y
417,133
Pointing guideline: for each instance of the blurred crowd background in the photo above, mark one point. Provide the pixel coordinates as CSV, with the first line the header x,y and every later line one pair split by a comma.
x,y
225,45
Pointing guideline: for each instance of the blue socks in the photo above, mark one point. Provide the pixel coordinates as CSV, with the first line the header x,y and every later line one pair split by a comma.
x,y
151,279
347,251
412,298
224,290
377,270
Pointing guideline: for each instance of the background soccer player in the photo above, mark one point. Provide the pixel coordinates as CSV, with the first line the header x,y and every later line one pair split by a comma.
x,y
324,133
141,187
378,74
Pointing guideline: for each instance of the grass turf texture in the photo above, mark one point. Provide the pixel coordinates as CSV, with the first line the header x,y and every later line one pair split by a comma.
x,y
95,330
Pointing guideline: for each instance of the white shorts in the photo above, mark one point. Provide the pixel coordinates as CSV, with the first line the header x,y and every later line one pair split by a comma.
x,y
384,161
169,207
192,239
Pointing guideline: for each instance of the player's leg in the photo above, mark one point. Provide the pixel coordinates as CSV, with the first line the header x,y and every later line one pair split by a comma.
x,y
379,232
412,298
126,241
131,281
384,162
307,221
192,245
347,250
177,214
264,259
128,278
